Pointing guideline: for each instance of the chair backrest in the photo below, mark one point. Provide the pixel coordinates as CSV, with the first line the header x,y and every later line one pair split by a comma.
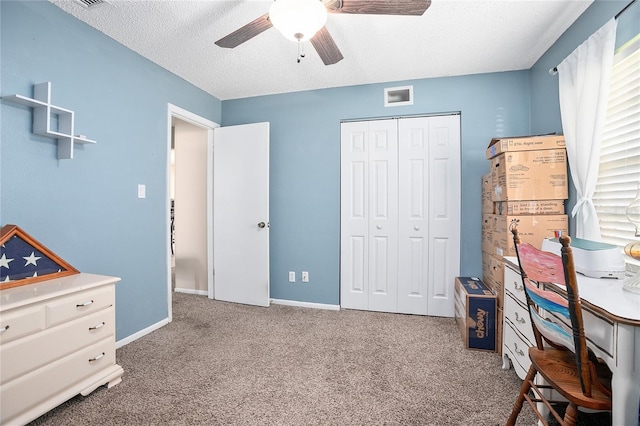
x,y
545,267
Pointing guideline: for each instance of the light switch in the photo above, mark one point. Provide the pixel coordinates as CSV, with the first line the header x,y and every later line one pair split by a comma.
x,y
142,191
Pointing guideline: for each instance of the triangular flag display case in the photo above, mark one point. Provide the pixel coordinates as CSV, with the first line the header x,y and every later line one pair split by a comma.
x,y
23,260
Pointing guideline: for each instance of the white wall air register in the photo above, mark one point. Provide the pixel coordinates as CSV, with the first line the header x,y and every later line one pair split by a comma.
x,y
398,96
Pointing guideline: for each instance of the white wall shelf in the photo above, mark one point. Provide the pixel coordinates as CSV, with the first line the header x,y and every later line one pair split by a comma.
x,y
44,119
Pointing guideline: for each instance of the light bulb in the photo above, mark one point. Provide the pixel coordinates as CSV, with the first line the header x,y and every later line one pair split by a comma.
x,y
298,20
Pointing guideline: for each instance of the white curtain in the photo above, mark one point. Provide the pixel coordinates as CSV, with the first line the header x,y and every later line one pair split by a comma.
x,y
584,87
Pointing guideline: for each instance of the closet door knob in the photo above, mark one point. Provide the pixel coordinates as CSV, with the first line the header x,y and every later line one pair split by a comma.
x,y
417,228
378,226
262,225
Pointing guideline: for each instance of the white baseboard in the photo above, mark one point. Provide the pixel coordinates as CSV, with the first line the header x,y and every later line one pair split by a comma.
x,y
305,304
141,333
162,323
191,291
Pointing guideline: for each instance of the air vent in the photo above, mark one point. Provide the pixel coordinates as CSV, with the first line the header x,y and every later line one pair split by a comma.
x,y
90,4
396,96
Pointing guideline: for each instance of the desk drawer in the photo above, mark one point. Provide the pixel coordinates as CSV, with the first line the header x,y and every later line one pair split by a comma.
x,y
24,355
79,304
17,323
519,317
598,331
516,348
513,284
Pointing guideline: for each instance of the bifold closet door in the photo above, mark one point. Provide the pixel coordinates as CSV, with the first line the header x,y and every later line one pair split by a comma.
x,y
369,215
400,214
429,214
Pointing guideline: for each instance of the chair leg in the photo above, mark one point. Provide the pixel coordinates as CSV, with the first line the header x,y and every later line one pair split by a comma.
x,y
571,415
524,390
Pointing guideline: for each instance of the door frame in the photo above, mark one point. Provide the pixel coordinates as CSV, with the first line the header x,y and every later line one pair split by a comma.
x,y
174,111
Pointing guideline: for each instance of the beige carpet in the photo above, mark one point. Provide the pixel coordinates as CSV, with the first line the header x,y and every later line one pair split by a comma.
x,y
226,364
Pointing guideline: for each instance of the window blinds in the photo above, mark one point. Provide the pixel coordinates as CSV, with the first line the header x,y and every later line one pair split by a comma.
x,y
619,174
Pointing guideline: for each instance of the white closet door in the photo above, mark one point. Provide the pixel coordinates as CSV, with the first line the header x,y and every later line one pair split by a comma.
x,y
413,223
444,213
400,214
369,210
354,215
383,216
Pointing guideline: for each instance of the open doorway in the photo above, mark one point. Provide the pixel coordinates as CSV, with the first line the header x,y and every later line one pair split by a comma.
x,y
189,203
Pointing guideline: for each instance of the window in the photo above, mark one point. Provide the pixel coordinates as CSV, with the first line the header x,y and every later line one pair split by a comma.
x,y
619,174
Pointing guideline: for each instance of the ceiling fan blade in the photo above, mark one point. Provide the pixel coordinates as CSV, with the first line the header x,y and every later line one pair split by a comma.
x,y
326,47
383,7
246,32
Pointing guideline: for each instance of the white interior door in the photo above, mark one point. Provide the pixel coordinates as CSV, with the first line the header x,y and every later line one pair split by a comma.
x,y
383,216
241,213
369,204
444,212
354,216
413,223
429,216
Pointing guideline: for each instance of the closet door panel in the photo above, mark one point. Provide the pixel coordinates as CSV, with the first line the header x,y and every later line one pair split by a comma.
x,y
354,216
444,212
413,229
383,216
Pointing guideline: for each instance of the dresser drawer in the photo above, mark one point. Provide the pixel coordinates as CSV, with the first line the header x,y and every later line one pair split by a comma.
x,y
79,304
31,389
513,284
517,349
17,323
27,354
519,317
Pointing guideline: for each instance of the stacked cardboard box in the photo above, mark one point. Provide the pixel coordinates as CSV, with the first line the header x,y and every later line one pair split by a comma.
x,y
525,187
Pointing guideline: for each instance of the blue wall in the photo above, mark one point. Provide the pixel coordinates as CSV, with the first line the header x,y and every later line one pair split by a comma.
x,y
305,164
86,209
545,104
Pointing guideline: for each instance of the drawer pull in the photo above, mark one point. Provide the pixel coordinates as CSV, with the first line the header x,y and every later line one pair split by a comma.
x,y
85,304
520,320
97,357
518,287
3,329
97,326
516,350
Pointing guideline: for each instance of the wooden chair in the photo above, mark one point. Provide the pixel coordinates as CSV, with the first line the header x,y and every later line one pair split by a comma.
x,y
561,356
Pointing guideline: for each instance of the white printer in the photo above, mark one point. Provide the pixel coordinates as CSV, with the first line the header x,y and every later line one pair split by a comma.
x,y
591,258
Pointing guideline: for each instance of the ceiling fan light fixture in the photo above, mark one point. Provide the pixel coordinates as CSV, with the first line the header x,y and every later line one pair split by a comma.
x,y
298,20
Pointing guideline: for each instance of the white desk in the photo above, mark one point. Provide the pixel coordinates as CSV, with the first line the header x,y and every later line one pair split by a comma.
x,y
612,328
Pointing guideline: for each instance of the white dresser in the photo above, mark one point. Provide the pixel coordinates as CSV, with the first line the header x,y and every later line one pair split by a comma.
x,y
57,339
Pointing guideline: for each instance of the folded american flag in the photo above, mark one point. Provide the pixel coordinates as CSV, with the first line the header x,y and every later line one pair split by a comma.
x,y
19,259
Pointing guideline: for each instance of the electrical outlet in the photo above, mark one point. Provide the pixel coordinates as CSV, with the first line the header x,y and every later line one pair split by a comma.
x,y
292,277
305,276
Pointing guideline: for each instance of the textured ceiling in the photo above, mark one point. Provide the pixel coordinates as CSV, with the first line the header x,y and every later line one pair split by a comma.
x,y
453,37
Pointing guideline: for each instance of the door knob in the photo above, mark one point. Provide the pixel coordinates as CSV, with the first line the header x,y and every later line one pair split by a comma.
x,y
262,225
417,228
